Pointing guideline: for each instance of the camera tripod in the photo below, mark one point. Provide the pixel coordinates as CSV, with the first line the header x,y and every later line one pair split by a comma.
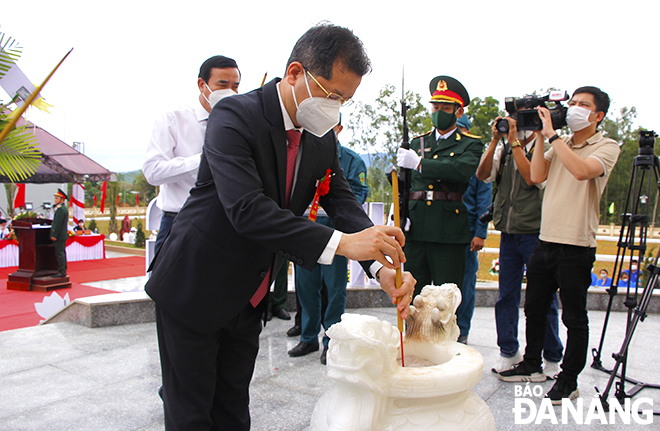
x,y
633,222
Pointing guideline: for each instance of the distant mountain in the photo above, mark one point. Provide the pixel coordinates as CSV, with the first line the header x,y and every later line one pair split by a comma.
x,y
130,176
369,158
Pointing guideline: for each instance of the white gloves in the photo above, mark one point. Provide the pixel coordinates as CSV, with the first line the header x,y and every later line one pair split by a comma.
x,y
407,159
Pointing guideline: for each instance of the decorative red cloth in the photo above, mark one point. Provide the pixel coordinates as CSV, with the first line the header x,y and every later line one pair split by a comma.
x,y
85,240
5,242
322,189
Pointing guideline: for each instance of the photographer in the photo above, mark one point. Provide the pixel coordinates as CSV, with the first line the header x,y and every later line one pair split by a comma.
x,y
577,170
516,213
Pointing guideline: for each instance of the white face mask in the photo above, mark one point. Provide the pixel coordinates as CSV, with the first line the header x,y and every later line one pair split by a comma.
x,y
634,267
577,118
218,95
524,134
317,115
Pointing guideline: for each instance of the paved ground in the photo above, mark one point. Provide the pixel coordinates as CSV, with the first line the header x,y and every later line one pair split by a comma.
x,y
67,377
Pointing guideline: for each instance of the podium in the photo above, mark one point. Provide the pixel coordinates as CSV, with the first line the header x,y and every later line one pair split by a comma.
x,y
36,258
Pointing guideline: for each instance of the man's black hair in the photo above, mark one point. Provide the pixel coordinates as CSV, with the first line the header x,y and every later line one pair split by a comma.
x,y
217,61
322,45
601,98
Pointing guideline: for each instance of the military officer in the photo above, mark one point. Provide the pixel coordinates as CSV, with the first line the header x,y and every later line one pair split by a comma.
x,y
442,162
59,232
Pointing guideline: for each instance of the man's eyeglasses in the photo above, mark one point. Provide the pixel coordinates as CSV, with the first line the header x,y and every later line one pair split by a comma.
x,y
331,96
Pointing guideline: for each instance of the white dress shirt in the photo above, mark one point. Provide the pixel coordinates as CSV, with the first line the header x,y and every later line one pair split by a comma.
x,y
328,254
174,153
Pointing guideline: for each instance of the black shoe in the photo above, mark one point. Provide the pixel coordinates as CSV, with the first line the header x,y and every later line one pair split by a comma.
x,y
463,339
324,355
294,331
58,275
303,349
282,314
562,389
523,372
269,316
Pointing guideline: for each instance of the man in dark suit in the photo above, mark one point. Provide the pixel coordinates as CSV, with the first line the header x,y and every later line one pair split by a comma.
x,y
257,176
59,232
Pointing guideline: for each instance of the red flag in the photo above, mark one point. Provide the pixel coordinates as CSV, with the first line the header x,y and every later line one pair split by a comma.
x,y
117,199
137,199
94,199
19,200
104,189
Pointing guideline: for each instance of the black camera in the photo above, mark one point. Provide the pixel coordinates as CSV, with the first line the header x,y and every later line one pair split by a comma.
x,y
527,118
647,138
487,217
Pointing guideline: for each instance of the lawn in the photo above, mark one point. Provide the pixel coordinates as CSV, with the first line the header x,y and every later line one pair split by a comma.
x,y
602,247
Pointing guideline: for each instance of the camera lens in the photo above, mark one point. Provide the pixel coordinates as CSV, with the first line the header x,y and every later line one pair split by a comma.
x,y
502,125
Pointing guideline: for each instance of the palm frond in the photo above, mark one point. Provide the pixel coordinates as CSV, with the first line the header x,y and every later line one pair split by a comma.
x,y
10,51
19,155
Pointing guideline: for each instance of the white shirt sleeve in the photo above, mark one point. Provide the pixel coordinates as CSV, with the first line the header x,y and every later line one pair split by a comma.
x,y
162,166
328,254
497,159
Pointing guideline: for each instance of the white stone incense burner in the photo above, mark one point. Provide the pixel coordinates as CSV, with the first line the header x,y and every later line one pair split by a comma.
x,y
372,392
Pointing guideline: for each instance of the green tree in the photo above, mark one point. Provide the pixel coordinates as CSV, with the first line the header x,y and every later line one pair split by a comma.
x,y
622,130
377,130
10,191
482,114
146,190
112,193
139,236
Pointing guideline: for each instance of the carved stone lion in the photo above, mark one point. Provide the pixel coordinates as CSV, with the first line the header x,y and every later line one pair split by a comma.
x,y
372,392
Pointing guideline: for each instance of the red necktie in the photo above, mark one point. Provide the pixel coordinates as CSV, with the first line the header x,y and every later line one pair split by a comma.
x,y
293,136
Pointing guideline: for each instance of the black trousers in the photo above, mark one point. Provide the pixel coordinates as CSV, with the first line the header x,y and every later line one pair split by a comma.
x,y
206,377
60,255
566,268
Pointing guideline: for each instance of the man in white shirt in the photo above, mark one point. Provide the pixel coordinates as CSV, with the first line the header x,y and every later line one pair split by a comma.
x,y
175,148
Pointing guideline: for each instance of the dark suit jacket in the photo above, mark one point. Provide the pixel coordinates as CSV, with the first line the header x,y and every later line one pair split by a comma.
x,y
233,227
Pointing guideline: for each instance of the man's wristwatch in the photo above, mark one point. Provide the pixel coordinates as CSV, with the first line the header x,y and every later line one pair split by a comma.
x,y
515,144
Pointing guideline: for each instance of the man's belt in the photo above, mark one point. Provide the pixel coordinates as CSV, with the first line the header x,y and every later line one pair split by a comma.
x,y
430,195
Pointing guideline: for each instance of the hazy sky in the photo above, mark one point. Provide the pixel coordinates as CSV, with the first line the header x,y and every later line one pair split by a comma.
x,y
134,59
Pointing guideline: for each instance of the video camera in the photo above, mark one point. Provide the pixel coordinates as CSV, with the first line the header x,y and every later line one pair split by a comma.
x,y
527,118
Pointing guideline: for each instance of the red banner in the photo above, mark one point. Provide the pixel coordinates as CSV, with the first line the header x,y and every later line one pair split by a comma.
x,y
104,189
19,200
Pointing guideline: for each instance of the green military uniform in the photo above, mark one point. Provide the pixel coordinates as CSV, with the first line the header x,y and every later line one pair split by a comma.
x,y
59,231
439,229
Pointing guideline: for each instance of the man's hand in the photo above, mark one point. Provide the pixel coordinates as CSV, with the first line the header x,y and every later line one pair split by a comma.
x,y
496,133
407,159
477,243
513,130
376,242
544,113
405,292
